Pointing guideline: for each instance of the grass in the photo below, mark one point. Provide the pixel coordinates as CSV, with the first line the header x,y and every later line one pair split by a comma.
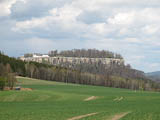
x,y
60,101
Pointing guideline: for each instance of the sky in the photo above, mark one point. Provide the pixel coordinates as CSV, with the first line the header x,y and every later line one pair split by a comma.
x,y
128,27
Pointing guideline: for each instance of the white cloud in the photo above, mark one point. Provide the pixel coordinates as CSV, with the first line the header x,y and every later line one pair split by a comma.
x,y
130,24
6,5
122,19
65,16
151,29
66,13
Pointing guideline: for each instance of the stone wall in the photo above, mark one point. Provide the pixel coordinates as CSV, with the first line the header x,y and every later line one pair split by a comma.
x,y
73,60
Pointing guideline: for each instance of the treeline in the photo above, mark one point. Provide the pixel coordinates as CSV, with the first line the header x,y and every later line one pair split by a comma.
x,y
60,74
89,53
63,74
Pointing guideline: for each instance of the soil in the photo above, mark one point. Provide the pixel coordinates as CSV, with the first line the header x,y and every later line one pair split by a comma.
x,y
119,116
91,98
26,89
82,116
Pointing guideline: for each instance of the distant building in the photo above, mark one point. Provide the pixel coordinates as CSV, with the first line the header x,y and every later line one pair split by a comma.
x,y
39,56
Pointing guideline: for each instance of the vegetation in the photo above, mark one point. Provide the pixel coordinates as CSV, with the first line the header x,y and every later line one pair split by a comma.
x,y
2,83
48,100
90,53
7,77
115,76
112,69
8,80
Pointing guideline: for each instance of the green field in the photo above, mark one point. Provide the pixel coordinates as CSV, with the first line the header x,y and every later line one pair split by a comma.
x,y
59,101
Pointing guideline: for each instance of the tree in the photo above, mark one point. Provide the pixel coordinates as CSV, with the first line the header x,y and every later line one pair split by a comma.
x,y
11,80
2,83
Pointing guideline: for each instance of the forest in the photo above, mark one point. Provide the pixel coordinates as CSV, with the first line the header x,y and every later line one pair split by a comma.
x,y
89,53
118,76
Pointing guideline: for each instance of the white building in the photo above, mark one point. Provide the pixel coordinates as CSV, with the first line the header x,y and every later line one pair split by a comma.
x,y
40,56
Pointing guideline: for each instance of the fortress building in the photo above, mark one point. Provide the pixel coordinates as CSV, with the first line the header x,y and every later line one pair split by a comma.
x,y
71,60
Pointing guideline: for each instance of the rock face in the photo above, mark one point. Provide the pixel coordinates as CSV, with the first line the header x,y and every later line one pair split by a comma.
x,y
73,60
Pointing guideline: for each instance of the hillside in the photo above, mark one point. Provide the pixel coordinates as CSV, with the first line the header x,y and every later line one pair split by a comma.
x,y
112,76
154,75
157,73
48,100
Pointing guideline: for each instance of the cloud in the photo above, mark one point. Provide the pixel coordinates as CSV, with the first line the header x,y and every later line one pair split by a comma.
x,y
26,9
128,27
122,19
60,23
5,6
69,18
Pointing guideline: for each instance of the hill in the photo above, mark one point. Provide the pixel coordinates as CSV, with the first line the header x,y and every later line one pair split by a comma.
x,y
93,61
154,75
118,76
48,100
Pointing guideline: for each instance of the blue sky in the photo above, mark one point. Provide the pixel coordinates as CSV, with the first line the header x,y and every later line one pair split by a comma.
x,y
128,27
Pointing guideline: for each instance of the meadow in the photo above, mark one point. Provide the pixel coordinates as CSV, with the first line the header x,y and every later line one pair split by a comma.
x,y
59,101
